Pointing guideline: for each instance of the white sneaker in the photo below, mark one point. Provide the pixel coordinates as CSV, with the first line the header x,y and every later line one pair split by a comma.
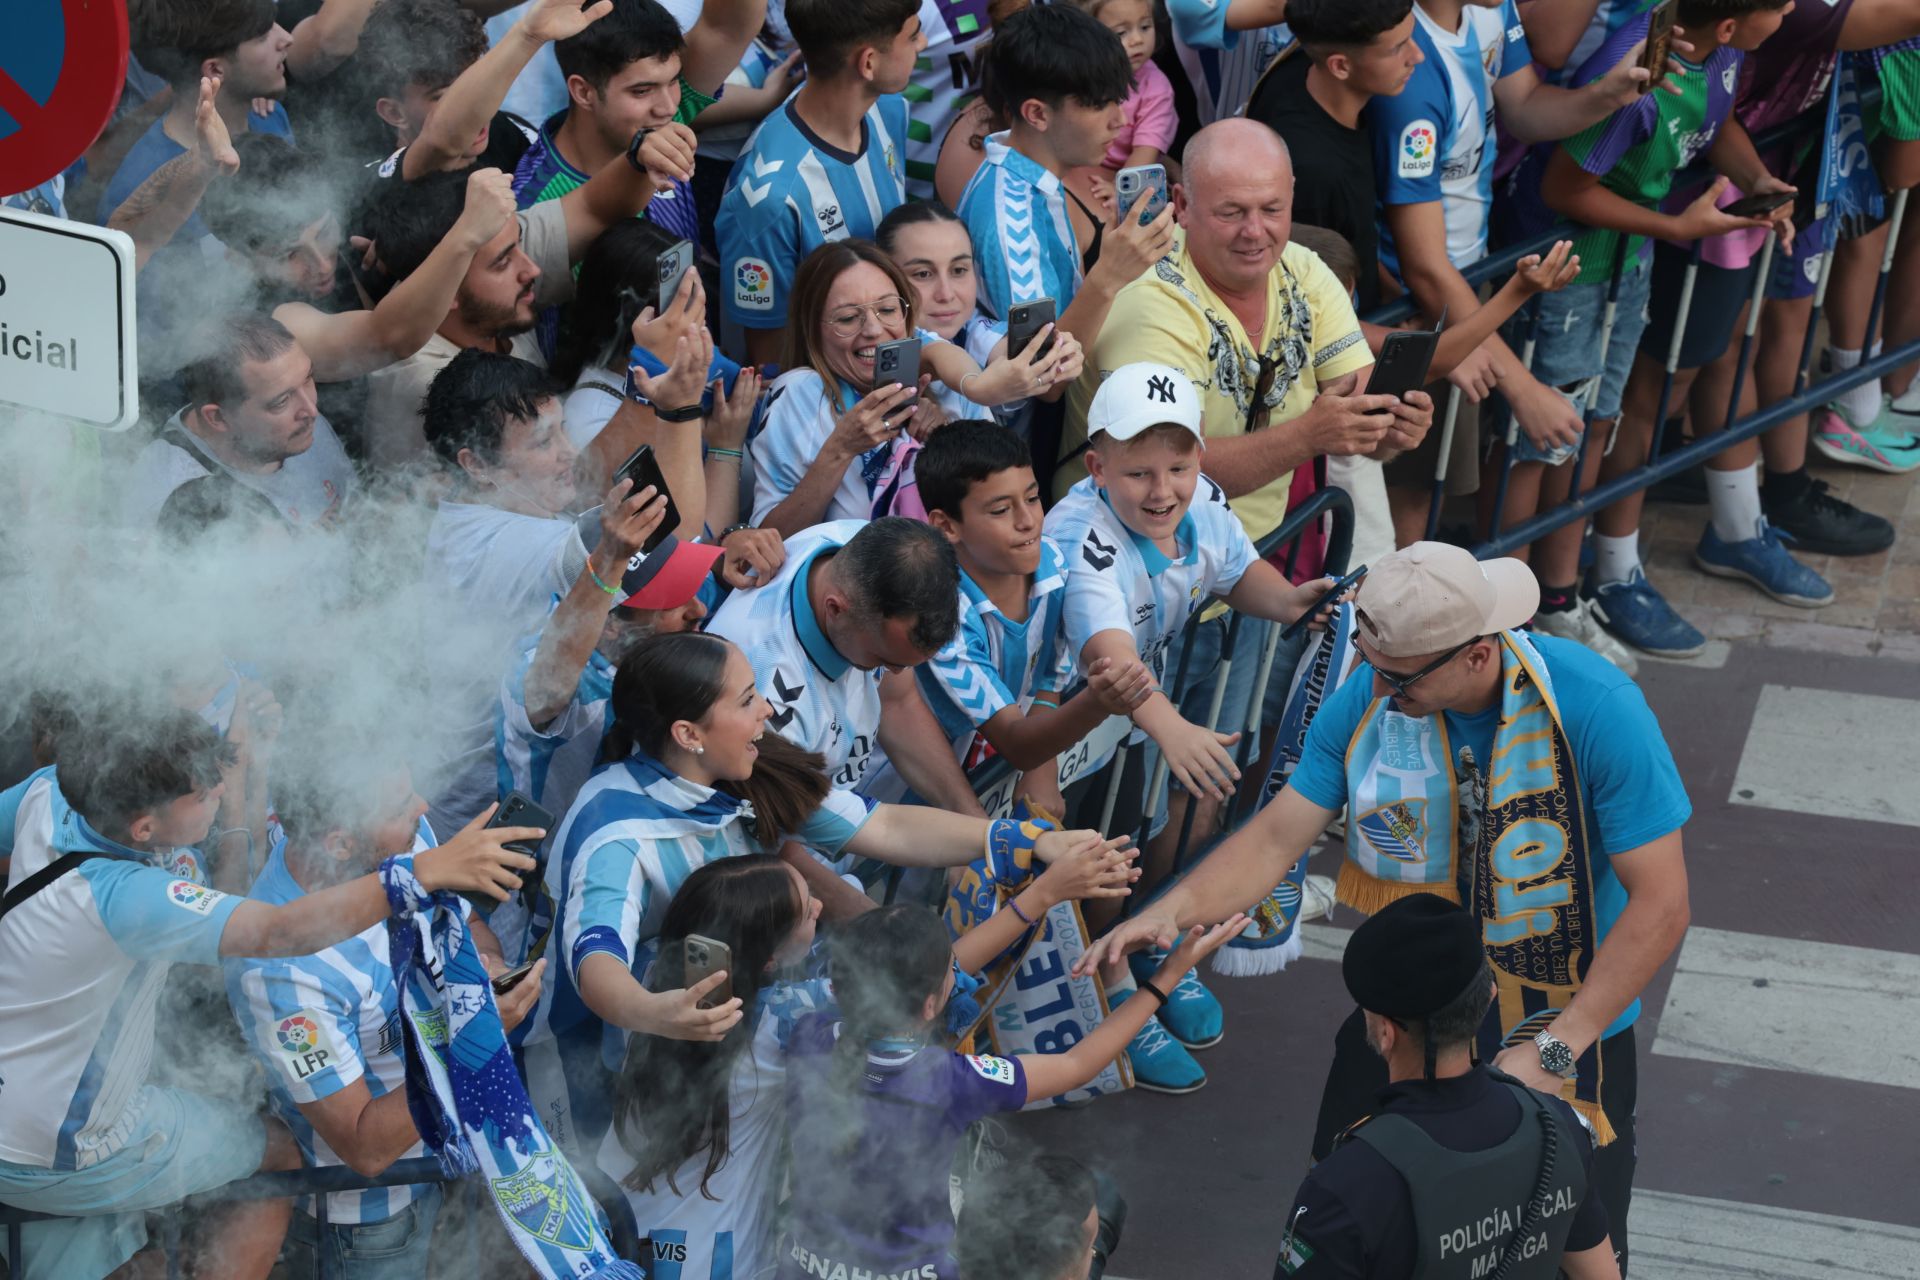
x,y
1316,899
1578,624
1907,406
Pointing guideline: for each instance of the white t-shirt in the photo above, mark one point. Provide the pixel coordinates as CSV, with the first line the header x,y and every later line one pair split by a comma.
x,y
596,396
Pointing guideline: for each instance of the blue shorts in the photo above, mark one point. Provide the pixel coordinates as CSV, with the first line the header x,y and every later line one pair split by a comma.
x,y
392,1249
182,1143
1566,350
1797,274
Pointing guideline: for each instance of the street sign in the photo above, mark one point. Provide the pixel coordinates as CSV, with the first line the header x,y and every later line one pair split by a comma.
x,y
62,66
66,320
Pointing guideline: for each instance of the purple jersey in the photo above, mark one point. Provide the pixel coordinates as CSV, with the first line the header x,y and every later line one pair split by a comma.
x,y
881,1206
1788,73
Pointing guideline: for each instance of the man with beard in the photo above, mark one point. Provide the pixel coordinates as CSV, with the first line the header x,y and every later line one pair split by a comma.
x,y
522,270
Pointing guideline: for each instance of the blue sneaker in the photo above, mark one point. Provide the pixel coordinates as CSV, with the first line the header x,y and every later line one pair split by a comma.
x,y
1763,561
1192,1015
1160,1063
1641,616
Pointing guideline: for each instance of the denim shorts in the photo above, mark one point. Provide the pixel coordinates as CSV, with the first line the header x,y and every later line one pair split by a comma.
x,y
182,1143
392,1249
1566,350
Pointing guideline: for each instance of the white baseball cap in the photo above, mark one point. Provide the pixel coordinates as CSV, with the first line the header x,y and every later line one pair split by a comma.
x,y
1136,397
1430,596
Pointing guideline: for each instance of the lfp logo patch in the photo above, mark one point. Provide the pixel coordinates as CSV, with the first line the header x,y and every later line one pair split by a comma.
x,y
1417,147
196,898
753,285
298,1034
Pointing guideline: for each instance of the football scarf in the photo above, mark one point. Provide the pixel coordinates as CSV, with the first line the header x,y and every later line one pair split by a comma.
x,y
1511,841
1849,189
466,1098
1271,940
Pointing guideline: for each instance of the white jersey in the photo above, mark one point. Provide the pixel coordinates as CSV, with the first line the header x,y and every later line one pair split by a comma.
x,y
732,1234
320,1022
1119,581
86,959
799,417
1223,65
820,700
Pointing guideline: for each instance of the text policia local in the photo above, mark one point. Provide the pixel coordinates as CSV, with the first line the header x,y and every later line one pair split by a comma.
x,y
38,349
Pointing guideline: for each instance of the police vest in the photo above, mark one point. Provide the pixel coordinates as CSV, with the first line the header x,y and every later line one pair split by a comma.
x,y
1469,1206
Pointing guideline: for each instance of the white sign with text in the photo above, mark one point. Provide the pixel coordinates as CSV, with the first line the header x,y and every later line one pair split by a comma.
x,y
66,320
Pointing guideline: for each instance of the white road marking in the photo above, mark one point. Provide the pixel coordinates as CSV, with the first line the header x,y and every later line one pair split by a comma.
x,y
1842,755
1678,1237
1786,1005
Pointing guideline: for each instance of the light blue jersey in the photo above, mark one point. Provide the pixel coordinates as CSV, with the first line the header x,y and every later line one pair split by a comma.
x,y
1119,581
791,192
1434,140
86,959
318,1023
550,764
820,701
993,662
1023,242
1222,64
635,833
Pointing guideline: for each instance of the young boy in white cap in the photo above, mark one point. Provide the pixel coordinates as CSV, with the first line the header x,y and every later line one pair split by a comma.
x,y
1149,540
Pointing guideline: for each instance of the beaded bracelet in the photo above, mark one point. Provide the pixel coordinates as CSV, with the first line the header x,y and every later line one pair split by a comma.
x,y
598,582
1014,902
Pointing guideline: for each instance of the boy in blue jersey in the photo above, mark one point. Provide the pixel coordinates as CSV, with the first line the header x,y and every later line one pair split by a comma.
x,y
827,165
1149,541
82,1131
327,1027
1434,151
1060,79
995,687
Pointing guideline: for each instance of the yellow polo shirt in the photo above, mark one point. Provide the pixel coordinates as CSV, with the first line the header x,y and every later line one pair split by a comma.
x,y
1169,316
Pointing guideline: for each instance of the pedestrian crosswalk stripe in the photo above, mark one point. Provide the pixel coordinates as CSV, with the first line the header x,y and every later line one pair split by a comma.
x,y
1841,755
1679,1237
1788,1005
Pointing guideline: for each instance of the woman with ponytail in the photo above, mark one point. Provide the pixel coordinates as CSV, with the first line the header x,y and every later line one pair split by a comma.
x,y
688,776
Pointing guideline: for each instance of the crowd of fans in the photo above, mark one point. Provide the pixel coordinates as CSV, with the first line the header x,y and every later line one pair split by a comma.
x,y
418,278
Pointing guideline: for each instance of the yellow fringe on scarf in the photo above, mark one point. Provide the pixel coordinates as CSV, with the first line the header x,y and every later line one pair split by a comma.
x,y
1602,1131
1367,894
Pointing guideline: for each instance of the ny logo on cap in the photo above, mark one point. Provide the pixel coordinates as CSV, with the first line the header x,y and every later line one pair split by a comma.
x,y
1160,388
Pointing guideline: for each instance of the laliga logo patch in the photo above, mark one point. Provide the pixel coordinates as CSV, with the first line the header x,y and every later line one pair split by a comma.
x,y
753,284
304,1044
1417,147
996,1070
196,898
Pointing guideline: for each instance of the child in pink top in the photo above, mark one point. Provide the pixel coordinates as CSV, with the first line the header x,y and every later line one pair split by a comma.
x,y
1150,116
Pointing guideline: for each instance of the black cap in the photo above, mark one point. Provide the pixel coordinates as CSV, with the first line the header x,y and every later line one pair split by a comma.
x,y
1413,957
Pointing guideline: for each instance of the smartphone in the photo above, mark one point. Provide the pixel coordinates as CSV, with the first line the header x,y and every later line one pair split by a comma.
x,y
644,469
1142,180
704,957
1404,358
675,262
1334,592
898,362
512,978
1659,43
1761,205
519,810
1024,320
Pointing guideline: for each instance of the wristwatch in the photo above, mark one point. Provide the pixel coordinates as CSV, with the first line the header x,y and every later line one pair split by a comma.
x,y
633,150
1555,1056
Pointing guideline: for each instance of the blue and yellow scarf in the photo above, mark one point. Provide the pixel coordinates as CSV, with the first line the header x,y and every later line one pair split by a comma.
x,y
1509,839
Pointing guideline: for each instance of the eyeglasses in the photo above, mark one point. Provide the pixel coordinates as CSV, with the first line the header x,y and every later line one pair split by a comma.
x,y
848,320
1400,684
1259,411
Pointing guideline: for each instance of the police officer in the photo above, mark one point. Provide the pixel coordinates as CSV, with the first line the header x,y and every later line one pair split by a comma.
x,y
1461,1171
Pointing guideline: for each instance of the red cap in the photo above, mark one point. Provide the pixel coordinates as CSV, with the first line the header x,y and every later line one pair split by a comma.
x,y
669,575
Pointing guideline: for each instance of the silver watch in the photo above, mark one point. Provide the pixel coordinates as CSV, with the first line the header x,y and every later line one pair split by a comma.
x,y
1555,1056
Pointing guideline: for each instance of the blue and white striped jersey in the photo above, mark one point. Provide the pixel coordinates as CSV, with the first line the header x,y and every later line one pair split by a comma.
x,y
795,423
820,700
791,192
320,1022
993,662
550,764
635,833
1119,581
86,959
1222,64
1023,242
730,1236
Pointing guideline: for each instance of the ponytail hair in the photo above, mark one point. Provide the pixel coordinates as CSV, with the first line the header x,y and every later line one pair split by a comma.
x,y
680,676
886,962
673,1098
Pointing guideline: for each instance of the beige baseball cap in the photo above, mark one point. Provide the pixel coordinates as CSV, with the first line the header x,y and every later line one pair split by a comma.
x,y
1429,597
